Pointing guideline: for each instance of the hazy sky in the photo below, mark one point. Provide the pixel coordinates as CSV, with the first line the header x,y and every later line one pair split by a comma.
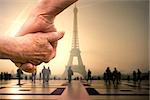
x,y
111,33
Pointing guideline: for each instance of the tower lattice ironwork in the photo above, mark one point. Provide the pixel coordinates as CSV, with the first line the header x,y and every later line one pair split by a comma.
x,y
75,51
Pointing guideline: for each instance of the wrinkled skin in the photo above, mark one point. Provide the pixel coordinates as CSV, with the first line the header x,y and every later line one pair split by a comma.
x,y
34,49
41,20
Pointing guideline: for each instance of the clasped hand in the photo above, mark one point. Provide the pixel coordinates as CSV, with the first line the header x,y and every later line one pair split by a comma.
x,y
36,41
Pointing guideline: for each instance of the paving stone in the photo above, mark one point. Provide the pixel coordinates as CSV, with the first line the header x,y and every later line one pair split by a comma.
x,y
62,90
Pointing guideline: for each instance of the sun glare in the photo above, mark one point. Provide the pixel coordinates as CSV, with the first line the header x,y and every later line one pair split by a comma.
x,y
18,22
15,27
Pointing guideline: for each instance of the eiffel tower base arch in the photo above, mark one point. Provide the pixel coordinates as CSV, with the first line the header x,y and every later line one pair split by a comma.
x,y
80,68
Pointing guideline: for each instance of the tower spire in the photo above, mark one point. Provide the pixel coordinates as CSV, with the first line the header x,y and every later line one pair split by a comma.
x,y
75,42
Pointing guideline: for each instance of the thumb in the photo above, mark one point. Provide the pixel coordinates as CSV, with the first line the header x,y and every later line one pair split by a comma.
x,y
54,36
28,67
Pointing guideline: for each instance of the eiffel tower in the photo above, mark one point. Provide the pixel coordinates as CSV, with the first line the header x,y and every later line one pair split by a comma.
x,y
75,51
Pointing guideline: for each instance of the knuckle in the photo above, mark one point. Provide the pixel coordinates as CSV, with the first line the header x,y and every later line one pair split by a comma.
x,y
46,61
36,62
47,58
49,48
48,55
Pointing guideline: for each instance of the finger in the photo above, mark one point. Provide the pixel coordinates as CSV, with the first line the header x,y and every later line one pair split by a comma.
x,y
54,36
54,44
53,54
35,62
60,35
28,67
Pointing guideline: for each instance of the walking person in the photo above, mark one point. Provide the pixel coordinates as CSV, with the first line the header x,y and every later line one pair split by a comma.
x,y
48,74
139,79
134,77
44,74
89,78
115,77
40,76
104,77
128,78
70,73
119,77
19,73
108,75
2,75
34,76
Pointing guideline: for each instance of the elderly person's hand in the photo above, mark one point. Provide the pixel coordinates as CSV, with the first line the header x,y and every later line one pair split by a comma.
x,y
42,20
42,17
30,48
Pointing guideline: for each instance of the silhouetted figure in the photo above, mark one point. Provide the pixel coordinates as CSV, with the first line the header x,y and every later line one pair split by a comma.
x,y
26,77
119,77
48,74
99,78
134,77
108,75
2,75
19,73
54,77
44,71
70,73
9,76
89,76
34,76
128,78
115,77
139,79
104,77
40,76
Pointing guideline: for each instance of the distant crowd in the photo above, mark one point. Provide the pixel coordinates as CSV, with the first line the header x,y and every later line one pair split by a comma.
x,y
109,76
137,76
5,76
114,76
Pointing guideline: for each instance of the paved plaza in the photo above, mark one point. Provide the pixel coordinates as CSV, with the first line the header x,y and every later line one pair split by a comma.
x,y
77,90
